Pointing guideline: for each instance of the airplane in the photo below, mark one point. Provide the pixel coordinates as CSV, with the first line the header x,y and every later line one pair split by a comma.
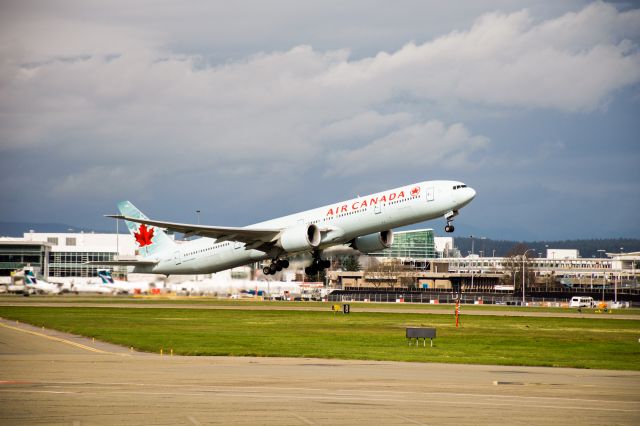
x,y
121,286
39,286
85,287
365,223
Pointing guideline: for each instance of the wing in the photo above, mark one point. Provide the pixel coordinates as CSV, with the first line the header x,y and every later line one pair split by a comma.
x,y
252,237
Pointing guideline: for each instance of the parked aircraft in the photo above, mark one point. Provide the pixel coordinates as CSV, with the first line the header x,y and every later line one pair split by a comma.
x,y
34,285
118,286
85,287
365,223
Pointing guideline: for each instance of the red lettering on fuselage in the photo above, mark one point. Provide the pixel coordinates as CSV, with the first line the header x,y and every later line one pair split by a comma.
x,y
356,205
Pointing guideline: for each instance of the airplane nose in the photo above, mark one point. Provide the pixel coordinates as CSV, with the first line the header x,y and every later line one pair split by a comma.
x,y
471,194
463,196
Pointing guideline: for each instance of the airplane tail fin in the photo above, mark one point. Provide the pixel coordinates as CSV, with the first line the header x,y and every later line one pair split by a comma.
x,y
105,276
30,277
150,239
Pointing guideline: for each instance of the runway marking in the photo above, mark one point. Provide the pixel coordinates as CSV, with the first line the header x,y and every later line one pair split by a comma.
x,y
58,339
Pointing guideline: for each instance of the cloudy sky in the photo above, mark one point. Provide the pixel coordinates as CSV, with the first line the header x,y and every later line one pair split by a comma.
x,y
248,110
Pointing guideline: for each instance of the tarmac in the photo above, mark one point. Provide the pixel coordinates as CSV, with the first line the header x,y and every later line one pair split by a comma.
x,y
50,377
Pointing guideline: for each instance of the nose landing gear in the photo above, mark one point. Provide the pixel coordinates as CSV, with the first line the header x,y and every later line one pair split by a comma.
x,y
449,217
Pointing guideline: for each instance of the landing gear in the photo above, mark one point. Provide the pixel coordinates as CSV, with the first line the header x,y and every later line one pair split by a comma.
x,y
317,265
276,265
449,217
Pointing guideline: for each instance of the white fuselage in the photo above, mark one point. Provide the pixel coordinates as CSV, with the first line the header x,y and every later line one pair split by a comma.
x,y
340,223
45,287
127,287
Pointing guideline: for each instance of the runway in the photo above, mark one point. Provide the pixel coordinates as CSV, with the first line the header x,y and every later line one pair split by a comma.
x,y
48,377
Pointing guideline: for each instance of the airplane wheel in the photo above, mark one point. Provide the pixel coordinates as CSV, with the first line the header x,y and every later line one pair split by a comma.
x,y
266,270
278,266
285,263
309,270
449,228
273,268
326,263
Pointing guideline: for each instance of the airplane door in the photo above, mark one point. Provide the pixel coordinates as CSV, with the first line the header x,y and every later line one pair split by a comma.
x,y
238,245
177,257
430,194
377,209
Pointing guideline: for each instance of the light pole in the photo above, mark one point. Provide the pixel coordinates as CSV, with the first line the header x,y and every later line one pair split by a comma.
x,y
198,216
524,258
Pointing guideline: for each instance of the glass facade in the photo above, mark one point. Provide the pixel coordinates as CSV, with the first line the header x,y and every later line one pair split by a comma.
x,y
15,256
72,264
418,244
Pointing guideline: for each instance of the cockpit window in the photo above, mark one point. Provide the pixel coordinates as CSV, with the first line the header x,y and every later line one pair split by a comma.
x,y
459,186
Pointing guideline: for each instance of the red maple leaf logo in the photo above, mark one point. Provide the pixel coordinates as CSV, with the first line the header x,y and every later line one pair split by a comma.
x,y
144,235
415,191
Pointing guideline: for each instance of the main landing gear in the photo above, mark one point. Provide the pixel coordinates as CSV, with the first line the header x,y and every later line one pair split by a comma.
x,y
276,265
317,265
449,217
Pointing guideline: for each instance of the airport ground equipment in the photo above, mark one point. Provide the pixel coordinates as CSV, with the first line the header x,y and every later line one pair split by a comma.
x,y
421,333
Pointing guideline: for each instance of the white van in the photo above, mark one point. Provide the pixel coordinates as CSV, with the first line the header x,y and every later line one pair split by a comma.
x,y
582,302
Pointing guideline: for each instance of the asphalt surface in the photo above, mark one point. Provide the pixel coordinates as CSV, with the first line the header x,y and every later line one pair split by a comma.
x,y
298,307
49,377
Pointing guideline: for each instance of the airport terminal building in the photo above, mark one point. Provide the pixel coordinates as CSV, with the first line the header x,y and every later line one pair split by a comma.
x,y
63,255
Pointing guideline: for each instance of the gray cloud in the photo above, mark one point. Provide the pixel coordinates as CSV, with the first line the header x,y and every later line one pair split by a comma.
x,y
125,108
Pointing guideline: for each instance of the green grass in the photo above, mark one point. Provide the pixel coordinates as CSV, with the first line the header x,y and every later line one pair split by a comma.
x,y
212,301
561,342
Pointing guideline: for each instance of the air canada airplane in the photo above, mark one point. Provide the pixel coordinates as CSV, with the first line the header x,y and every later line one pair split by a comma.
x,y
365,223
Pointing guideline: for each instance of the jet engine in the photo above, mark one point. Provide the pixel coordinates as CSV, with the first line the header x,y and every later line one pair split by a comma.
x,y
300,238
373,242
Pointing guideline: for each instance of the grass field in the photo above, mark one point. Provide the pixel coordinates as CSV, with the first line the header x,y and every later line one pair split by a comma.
x,y
534,341
212,301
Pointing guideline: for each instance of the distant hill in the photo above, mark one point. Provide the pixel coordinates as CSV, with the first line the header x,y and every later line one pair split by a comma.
x,y
17,229
586,248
